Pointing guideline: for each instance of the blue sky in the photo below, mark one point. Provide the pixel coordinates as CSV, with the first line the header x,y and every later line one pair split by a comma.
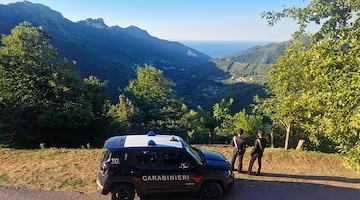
x,y
233,20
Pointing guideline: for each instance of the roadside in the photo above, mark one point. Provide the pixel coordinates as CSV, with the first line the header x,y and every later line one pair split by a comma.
x,y
245,188
70,174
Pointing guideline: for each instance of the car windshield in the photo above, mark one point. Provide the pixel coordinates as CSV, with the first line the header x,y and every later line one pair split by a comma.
x,y
193,153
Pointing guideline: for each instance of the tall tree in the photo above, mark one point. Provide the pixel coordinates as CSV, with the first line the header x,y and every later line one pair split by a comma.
x,y
41,100
153,108
149,92
150,85
286,82
327,92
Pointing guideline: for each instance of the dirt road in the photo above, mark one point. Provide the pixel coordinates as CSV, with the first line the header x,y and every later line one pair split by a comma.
x,y
246,188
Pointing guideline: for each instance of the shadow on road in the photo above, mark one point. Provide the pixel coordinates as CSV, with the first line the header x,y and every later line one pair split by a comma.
x,y
279,190
321,178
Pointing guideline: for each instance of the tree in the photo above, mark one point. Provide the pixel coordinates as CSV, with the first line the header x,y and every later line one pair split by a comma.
x,y
153,108
221,110
44,101
150,85
122,114
149,92
285,83
327,92
334,16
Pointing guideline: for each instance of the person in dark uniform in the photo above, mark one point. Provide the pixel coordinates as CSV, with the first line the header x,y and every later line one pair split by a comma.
x,y
239,144
257,152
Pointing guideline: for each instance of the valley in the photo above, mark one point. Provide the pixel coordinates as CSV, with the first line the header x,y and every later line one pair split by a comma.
x,y
113,53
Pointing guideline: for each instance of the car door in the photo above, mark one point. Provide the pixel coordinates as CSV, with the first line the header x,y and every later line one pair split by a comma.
x,y
165,171
179,172
146,167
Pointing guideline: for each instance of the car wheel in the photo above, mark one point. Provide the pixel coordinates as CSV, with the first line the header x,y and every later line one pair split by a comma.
x,y
123,192
211,191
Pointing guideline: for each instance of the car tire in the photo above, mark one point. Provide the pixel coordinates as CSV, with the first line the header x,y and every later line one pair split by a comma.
x,y
123,192
211,191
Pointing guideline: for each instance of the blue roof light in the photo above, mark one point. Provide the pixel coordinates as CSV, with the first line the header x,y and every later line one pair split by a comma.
x,y
150,133
151,142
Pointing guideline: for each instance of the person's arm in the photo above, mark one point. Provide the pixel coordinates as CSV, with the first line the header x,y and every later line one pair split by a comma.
x,y
232,141
256,146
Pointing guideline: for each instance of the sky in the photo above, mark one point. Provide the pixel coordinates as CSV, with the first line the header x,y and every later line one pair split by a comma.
x,y
180,20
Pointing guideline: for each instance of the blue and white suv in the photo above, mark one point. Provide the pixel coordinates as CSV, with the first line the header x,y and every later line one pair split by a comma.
x,y
158,164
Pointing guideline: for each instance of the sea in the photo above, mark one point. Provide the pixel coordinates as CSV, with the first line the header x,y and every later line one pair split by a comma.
x,y
217,49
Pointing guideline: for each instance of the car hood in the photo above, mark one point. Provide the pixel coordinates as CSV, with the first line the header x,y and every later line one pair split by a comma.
x,y
215,160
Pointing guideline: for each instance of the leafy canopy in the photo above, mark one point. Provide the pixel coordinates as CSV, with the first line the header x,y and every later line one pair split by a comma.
x,y
318,81
44,101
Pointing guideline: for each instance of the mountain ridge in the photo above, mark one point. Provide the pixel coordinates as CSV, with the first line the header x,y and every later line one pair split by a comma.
x,y
110,53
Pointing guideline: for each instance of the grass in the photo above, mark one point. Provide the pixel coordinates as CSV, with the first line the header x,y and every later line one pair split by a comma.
x,y
76,169
298,166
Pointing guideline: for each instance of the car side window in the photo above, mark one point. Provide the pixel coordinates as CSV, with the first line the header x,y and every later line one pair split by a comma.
x,y
106,156
175,159
146,158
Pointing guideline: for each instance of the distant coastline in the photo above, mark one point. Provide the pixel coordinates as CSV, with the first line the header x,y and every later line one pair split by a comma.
x,y
216,49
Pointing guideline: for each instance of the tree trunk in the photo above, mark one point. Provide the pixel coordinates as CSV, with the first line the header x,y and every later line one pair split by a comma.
x,y
272,138
211,134
300,145
288,129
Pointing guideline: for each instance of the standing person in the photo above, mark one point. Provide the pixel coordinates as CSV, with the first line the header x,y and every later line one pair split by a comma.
x,y
257,152
239,144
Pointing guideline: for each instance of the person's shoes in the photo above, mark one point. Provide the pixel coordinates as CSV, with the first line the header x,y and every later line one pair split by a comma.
x,y
248,173
258,174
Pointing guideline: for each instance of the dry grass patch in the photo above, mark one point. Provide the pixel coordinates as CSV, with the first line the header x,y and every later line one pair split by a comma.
x,y
76,169
296,166
50,169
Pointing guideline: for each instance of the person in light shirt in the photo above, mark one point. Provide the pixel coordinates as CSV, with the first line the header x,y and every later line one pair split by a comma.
x,y
239,144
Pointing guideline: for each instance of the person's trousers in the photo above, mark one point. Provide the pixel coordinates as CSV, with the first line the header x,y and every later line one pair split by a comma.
x,y
233,159
252,160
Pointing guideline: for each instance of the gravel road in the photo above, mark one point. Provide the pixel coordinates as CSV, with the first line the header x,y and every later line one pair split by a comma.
x,y
245,189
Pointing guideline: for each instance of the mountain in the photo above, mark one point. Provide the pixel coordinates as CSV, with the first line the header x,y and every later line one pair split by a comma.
x,y
250,65
109,53
113,53
240,75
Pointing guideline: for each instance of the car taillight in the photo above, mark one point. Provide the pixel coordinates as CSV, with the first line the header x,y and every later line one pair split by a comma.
x,y
104,169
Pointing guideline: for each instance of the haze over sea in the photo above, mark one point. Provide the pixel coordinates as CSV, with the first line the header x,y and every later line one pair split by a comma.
x,y
217,49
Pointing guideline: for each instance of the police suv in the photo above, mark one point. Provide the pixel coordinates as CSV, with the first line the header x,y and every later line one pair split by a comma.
x,y
153,164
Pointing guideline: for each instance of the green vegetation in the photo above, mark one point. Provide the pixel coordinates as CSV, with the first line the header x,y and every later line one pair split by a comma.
x,y
45,103
240,76
313,93
250,66
43,100
314,87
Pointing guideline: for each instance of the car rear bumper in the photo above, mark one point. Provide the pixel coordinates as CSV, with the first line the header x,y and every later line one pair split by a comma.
x,y
100,188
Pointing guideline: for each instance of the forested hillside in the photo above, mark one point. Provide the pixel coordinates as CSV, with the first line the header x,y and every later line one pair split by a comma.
x,y
251,65
113,53
109,53
240,75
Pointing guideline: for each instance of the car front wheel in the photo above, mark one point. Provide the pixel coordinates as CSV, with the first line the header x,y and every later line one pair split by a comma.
x,y
123,192
211,191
